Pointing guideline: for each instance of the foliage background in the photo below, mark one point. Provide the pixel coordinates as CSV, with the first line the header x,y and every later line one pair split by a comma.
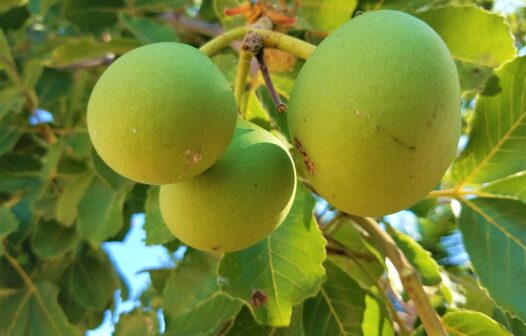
x,y
59,203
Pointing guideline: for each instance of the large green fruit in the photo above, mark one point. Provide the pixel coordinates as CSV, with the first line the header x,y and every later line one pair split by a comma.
x,y
375,113
161,113
239,200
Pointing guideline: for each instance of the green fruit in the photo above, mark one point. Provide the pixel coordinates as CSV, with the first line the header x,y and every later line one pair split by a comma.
x,y
238,201
375,113
161,113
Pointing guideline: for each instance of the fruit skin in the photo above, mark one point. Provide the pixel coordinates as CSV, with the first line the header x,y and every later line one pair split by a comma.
x,y
161,113
238,201
375,113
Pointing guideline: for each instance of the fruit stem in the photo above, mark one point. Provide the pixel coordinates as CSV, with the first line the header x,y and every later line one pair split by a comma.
x,y
408,275
271,39
278,103
243,68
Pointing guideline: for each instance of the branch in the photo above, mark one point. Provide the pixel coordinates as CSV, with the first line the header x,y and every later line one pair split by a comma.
x,y
271,39
409,277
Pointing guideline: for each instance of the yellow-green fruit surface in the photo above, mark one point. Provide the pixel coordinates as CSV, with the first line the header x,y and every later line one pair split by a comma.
x,y
161,113
239,200
375,113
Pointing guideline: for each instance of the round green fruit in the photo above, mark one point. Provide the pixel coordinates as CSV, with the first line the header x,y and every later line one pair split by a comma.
x,y
375,113
161,113
239,200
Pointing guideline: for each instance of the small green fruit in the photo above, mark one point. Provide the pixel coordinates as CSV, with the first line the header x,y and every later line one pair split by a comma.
x,y
375,113
161,113
239,200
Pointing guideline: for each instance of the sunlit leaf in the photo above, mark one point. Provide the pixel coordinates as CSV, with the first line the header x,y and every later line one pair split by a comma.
x,y
494,234
461,29
345,308
326,15
282,269
192,293
513,186
421,259
497,141
137,323
245,325
465,322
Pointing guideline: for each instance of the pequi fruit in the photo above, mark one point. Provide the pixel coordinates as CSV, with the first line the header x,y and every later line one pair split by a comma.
x,y
239,200
161,113
375,113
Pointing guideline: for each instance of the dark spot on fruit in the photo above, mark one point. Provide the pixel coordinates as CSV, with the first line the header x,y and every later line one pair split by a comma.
x,y
309,165
403,144
377,127
304,120
217,247
258,298
255,185
430,122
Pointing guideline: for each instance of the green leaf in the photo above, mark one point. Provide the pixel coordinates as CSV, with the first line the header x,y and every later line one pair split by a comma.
x,y
156,230
513,324
160,5
53,84
6,59
9,136
84,50
66,212
93,281
118,182
345,308
100,212
6,5
461,29
192,293
497,141
363,262
282,269
50,240
465,322
494,234
92,16
228,22
148,30
8,222
11,101
472,76
421,259
401,5
19,171
475,298
137,323
513,186
34,312
245,325
326,15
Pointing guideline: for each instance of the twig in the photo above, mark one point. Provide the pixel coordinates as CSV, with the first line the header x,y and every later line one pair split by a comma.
x,y
278,103
409,277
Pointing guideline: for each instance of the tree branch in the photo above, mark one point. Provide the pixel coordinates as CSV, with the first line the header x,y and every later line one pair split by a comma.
x,y
408,275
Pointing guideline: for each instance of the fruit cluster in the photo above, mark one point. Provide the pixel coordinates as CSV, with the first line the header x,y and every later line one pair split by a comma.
x,y
373,115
